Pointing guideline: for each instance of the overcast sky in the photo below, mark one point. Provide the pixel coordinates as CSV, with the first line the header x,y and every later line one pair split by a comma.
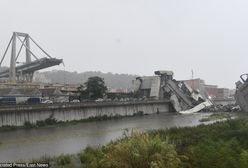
x,y
137,36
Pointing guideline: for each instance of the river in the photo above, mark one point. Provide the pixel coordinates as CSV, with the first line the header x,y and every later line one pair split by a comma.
x,y
26,144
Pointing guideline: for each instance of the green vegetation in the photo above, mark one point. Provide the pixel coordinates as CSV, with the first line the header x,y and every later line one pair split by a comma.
x,y
93,89
140,151
219,145
63,160
91,157
8,128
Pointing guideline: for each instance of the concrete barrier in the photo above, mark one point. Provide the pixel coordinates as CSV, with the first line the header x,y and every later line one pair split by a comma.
x,y
18,115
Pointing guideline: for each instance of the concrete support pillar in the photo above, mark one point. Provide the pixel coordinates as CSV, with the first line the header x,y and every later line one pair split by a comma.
x,y
31,76
12,72
28,77
28,54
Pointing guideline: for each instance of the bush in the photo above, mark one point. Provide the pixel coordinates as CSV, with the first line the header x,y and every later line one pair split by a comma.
x,y
27,124
63,160
140,151
91,157
243,159
50,121
213,154
40,123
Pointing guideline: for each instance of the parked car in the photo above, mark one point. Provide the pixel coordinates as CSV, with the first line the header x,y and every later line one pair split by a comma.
x,y
75,101
99,100
47,102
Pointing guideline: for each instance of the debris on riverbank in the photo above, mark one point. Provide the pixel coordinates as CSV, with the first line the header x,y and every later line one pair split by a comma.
x,y
222,108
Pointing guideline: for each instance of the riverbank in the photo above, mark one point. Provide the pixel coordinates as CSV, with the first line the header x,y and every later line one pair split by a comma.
x,y
221,144
18,115
52,122
25,144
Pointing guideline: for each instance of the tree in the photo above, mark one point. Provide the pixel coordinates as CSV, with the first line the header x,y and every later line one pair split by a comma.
x,y
83,92
94,88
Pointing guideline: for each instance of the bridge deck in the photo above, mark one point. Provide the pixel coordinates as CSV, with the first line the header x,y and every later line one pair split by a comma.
x,y
33,66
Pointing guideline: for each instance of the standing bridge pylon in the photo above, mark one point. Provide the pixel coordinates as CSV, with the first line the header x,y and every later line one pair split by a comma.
x,y
24,72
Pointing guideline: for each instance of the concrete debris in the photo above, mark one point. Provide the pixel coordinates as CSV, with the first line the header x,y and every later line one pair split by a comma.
x,y
221,108
198,107
241,94
175,102
183,98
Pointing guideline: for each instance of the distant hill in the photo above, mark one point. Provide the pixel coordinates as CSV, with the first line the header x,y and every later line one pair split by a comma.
x,y
111,80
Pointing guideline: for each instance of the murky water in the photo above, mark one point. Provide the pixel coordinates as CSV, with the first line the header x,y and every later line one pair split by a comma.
x,y
26,144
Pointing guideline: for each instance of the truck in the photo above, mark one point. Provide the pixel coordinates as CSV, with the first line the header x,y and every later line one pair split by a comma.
x,y
11,100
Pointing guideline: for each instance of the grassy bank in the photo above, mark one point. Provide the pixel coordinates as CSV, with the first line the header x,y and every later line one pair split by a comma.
x,y
219,145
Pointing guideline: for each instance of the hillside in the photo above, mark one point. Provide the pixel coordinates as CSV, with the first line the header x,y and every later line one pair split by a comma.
x,y
111,80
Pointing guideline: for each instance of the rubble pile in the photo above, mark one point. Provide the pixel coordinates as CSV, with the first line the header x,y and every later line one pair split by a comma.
x,y
241,95
222,108
162,86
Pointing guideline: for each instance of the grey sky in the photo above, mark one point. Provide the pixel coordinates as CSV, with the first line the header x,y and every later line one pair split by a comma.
x,y
137,36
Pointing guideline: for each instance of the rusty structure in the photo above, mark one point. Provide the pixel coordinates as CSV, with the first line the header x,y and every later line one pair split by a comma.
x,y
241,94
24,72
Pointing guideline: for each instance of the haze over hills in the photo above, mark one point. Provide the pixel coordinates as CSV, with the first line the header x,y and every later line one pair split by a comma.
x,y
60,76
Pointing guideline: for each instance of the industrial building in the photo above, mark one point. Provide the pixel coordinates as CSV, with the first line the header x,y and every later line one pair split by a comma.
x,y
221,96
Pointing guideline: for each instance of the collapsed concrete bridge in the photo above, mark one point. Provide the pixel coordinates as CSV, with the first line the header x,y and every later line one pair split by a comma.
x,y
24,73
